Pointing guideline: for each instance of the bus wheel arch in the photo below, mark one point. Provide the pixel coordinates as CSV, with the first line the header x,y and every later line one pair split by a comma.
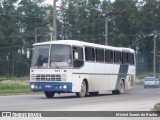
x,y
84,89
123,85
121,88
87,86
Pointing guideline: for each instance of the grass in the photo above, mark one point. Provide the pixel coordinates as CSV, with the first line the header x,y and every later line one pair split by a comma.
x,y
157,107
141,83
14,88
14,78
21,78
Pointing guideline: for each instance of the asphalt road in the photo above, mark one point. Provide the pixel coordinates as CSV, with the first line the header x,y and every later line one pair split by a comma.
x,y
137,99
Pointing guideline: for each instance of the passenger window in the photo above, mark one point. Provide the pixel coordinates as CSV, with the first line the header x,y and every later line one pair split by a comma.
x,y
117,57
80,52
108,56
99,55
89,54
131,59
125,57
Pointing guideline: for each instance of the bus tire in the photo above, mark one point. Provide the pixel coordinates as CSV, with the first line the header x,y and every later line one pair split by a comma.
x,y
93,93
83,90
114,92
121,89
49,94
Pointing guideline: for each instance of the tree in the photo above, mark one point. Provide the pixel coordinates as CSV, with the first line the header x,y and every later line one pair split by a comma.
x,y
17,33
124,22
9,32
22,22
82,20
148,22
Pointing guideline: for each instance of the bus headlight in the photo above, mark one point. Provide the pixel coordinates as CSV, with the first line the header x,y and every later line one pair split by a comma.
x,y
32,86
65,86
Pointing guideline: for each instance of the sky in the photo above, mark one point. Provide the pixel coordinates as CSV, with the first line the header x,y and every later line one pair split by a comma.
x,y
51,1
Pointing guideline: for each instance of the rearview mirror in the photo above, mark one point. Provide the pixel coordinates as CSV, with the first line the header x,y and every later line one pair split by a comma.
x,y
75,55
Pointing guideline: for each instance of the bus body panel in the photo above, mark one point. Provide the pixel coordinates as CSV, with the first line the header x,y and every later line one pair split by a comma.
x,y
100,76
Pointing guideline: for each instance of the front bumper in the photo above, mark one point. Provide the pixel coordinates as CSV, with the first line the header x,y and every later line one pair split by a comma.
x,y
51,86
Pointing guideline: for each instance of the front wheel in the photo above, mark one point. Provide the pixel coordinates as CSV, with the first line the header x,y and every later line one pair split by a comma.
x,y
49,94
83,91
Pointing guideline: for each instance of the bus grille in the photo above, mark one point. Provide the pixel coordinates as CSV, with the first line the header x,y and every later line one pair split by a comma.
x,y
48,77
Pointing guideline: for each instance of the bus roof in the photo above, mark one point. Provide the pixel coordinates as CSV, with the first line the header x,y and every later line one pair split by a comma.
x,y
81,43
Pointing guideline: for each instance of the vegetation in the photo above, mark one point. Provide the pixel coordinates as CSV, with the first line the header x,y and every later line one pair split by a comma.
x,y
139,83
14,88
157,107
142,75
23,22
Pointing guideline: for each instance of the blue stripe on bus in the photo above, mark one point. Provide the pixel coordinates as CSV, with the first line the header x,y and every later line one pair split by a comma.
x,y
51,86
123,70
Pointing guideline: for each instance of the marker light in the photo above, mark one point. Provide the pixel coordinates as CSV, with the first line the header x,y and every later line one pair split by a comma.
x,y
60,87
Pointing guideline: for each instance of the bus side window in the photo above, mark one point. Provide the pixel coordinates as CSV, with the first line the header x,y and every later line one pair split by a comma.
x,y
99,55
89,54
131,58
117,57
125,58
108,56
77,63
79,50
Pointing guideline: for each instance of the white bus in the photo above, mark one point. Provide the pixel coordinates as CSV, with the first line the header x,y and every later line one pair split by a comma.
x,y
70,66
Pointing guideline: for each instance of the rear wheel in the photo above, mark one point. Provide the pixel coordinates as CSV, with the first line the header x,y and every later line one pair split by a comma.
x,y
49,94
121,88
114,92
83,91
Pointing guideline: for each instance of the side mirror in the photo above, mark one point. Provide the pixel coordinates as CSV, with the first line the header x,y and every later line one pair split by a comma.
x,y
28,53
75,55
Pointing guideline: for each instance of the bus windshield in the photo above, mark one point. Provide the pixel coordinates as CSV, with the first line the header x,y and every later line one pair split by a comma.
x,y
40,56
60,56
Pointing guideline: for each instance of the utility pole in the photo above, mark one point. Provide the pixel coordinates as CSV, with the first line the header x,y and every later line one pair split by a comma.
x,y
106,30
54,20
107,15
154,55
35,35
